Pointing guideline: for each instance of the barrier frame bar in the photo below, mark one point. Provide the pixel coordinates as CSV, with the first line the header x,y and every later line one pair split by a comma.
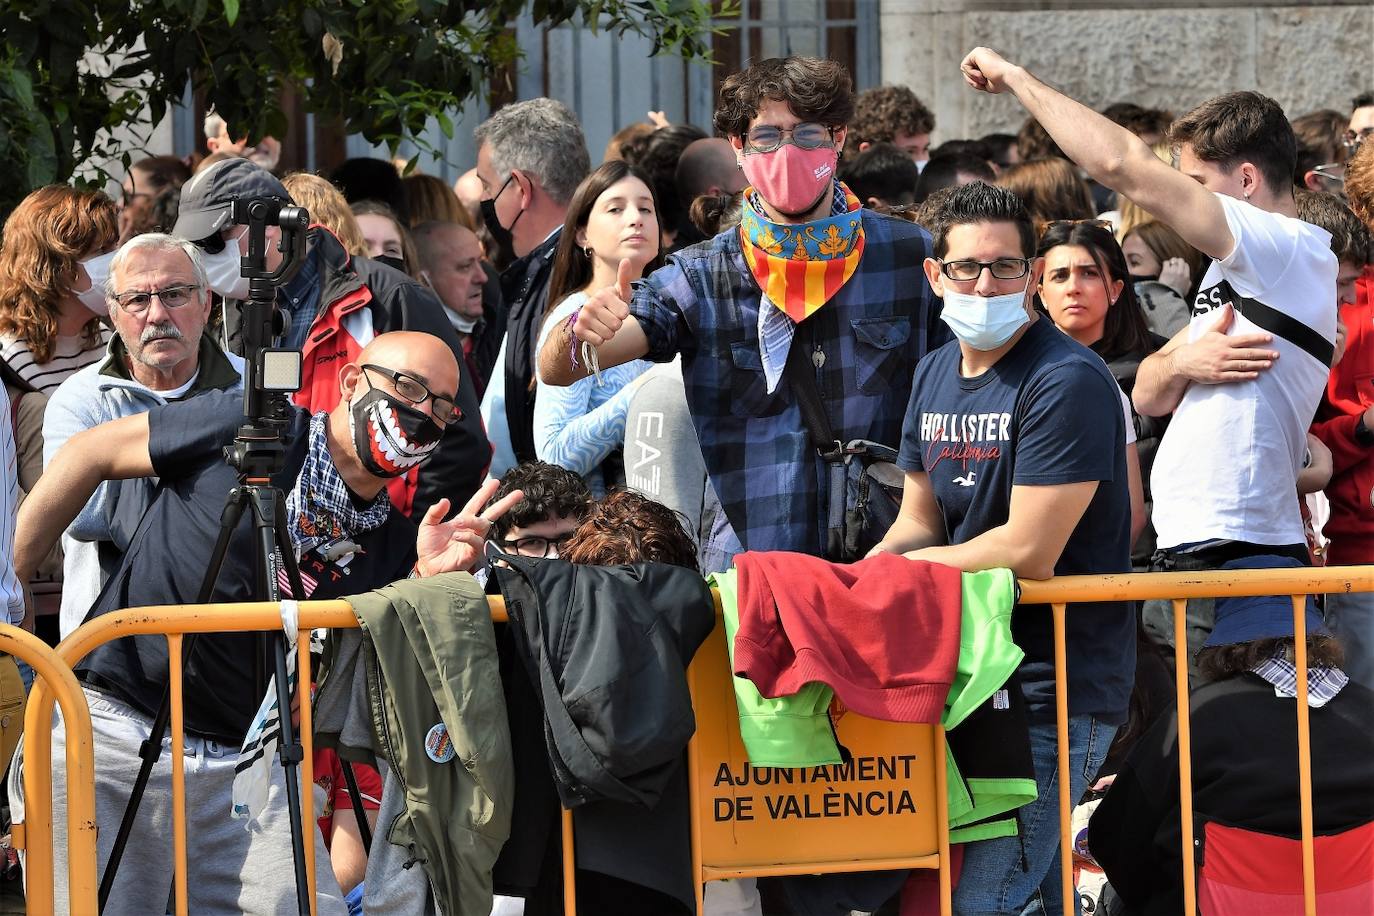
x,y
57,685
55,677
1297,583
168,621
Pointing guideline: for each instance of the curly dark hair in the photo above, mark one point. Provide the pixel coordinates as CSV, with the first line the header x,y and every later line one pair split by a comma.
x,y
1218,662
628,528
881,113
816,90
549,490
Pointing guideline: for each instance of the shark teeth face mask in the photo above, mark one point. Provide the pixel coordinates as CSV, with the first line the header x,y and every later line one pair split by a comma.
x,y
391,437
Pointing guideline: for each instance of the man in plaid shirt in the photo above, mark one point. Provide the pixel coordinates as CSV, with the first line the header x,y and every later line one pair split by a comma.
x,y
806,268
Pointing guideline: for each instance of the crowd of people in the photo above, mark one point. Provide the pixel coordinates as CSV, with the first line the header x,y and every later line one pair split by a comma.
x,y
1111,341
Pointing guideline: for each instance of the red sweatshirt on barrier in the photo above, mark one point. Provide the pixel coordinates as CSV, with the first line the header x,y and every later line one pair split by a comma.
x,y
883,632
1348,392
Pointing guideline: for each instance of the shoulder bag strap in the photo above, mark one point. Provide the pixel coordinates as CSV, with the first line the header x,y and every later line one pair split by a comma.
x,y
802,379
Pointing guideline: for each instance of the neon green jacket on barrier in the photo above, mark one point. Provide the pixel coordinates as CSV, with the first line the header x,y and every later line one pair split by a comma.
x,y
795,731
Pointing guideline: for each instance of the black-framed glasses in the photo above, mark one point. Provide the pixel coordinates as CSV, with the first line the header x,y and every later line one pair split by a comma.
x,y
417,392
505,184
138,302
536,546
1002,269
765,138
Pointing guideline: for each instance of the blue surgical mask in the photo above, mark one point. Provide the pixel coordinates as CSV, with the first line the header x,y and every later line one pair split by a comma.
x,y
985,322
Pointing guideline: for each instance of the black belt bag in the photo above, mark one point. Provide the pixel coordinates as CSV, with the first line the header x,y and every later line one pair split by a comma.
x,y
864,485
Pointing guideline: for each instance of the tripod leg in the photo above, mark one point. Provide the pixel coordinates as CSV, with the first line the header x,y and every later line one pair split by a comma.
x,y
265,521
151,749
359,812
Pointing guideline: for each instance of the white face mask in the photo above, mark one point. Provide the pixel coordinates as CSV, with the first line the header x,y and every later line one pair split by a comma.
x,y
461,324
985,322
224,271
98,270
921,165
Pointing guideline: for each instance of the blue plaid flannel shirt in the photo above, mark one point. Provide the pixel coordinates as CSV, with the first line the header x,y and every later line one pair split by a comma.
x,y
864,343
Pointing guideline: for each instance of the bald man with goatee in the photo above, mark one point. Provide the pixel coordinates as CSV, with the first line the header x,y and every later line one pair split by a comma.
x,y
395,400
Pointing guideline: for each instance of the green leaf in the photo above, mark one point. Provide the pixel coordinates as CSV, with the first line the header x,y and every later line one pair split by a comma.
x,y
231,11
445,124
42,156
21,88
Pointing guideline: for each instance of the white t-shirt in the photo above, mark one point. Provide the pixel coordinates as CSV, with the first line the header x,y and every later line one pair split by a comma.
x,y
1227,467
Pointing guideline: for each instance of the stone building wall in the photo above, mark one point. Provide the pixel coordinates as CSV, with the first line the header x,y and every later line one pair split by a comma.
x,y
1308,56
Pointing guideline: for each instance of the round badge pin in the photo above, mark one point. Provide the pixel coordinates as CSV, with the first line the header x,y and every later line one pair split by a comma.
x,y
438,744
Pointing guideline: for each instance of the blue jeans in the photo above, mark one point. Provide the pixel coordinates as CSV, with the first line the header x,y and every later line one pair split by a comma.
x,y
1010,876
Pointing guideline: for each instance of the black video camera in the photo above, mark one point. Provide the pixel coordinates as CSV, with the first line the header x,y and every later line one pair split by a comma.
x,y
271,373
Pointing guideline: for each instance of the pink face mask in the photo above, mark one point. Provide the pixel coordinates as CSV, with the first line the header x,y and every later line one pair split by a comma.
x,y
790,178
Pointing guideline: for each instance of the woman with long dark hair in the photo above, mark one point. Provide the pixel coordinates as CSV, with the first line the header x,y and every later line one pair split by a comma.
x,y
612,220
1087,292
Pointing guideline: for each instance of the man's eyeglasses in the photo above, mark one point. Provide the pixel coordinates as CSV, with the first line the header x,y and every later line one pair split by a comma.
x,y
1353,139
1334,171
536,546
1002,269
416,392
765,138
173,297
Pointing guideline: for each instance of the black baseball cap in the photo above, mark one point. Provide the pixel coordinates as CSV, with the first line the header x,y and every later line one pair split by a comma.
x,y
206,199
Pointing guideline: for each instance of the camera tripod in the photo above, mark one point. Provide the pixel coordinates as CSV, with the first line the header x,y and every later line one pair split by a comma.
x,y
258,452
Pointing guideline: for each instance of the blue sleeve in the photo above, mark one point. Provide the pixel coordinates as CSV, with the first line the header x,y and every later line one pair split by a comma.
x,y
658,304
1069,427
184,435
70,410
573,430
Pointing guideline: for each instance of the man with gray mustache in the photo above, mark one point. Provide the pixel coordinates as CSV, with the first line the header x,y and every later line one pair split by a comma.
x,y
159,300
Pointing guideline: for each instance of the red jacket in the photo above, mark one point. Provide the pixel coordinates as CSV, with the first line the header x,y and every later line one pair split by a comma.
x,y
1348,392
883,632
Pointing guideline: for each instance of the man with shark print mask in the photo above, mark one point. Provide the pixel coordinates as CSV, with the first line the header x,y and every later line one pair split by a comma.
x,y
396,398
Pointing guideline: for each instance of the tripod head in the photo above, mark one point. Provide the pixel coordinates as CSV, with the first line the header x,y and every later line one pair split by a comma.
x,y
271,374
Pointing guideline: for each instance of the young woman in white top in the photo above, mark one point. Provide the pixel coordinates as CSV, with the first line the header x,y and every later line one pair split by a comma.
x,y
54,258
612,220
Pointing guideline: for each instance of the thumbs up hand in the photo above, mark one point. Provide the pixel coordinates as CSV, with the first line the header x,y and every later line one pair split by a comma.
x,y
606,310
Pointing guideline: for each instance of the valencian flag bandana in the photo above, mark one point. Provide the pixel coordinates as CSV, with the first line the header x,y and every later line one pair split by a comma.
x,y
801,266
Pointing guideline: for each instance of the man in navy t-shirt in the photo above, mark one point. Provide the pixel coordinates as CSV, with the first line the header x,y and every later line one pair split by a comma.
x,y
1014,452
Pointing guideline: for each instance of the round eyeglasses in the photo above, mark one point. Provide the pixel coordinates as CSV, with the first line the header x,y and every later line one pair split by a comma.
x,y
765,138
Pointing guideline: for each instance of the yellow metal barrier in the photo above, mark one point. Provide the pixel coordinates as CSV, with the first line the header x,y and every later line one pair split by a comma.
x,y
55,678
58,684
1179,587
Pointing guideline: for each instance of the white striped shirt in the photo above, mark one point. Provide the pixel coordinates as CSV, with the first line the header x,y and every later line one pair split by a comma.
x,y
69,356
11,592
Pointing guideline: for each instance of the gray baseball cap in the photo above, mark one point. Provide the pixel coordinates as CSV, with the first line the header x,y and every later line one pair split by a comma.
x,y
206,199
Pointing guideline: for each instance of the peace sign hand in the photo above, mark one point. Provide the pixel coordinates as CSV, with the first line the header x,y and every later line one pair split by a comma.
x,y
457,545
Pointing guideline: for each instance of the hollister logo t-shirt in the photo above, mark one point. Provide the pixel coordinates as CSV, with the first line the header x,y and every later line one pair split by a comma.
x,y
1047,413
